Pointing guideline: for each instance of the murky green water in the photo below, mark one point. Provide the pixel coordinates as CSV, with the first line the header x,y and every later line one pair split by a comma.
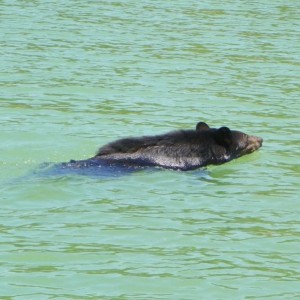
x,y
75,75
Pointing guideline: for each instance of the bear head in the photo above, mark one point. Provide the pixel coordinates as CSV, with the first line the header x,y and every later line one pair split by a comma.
x,y
233,143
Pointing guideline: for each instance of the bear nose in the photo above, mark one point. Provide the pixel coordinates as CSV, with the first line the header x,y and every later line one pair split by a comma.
x,y
260,140
255,141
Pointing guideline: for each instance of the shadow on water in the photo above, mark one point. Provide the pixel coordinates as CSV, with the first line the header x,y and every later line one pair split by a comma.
x,y
105,171
60,171
91,170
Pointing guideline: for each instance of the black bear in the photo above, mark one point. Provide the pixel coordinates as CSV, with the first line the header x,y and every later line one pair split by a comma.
x,y
179,150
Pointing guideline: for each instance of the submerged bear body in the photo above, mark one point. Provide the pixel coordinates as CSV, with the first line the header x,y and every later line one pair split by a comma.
x,y
179,150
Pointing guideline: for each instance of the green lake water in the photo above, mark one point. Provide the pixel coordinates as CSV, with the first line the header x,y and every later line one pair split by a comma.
x,y
78,74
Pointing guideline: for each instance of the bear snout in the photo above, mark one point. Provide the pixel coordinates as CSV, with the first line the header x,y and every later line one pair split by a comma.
x,y
254,143
257,140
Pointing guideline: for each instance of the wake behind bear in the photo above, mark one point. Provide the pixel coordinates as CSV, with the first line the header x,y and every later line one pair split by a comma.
x,y
179,150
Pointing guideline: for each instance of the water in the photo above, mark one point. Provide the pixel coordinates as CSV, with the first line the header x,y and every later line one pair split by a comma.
x,y
75,75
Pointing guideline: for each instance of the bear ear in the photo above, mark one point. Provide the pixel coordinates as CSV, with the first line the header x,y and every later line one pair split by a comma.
x,y
224,136
201,126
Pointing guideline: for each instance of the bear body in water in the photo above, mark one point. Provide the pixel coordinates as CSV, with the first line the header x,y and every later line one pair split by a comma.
x,y
178,150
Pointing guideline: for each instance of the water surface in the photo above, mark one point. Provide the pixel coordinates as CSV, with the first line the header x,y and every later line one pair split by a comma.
x,y
75,75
